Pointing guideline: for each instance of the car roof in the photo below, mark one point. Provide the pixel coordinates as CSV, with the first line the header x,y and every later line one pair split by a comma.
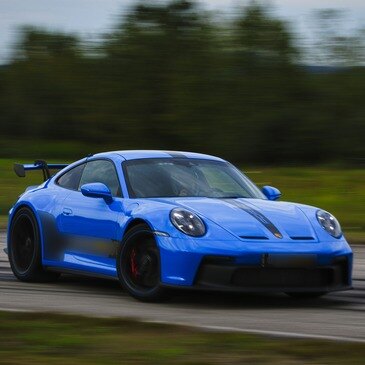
x,y
139,154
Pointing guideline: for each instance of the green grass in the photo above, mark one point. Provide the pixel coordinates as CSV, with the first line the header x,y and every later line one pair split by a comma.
x,y
36,338
340,191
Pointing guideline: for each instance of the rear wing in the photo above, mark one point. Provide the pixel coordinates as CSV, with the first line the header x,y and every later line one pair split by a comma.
x,y
20,169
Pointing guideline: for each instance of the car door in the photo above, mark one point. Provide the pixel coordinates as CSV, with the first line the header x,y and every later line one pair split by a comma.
x,y
90,225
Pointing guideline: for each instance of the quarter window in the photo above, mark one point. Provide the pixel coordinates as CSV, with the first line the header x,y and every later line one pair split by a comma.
x,y
71,178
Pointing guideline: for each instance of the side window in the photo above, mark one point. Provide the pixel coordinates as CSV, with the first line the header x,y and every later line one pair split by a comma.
x,y
71,179
101,171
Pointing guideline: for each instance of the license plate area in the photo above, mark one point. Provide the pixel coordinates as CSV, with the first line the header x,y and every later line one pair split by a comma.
x,y
289,261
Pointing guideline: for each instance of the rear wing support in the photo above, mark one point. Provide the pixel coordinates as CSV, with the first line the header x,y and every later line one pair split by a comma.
x,y
20,169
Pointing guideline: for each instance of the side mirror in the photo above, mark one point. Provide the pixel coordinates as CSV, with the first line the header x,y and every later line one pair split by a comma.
x,y
97,190
271,193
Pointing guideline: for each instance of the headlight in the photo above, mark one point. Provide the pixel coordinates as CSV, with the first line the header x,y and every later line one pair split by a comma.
x,y
329,223
187,222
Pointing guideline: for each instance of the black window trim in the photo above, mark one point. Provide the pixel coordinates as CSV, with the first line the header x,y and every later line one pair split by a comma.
x,y
67,171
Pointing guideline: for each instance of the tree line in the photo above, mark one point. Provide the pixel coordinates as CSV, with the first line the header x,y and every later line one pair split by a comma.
x,y
174,76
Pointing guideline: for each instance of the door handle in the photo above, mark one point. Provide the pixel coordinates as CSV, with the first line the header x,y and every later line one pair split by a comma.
x,y
67,211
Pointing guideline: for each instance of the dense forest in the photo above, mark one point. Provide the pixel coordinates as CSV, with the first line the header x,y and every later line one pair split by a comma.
x,y
173,76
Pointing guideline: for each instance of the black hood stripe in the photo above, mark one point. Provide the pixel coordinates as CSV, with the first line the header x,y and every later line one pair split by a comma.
x,y
256,214
176,154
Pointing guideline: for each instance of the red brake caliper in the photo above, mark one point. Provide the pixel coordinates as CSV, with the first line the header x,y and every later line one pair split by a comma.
x,y
134,268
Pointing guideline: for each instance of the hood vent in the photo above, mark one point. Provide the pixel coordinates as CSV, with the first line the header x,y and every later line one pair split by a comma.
x,y
302,238
254,237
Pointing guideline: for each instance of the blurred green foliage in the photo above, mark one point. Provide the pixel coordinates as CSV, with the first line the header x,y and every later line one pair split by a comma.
x,y
173,76
40,338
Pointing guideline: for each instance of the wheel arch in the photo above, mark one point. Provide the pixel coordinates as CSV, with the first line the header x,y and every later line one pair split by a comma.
x,y
14,210
159,293
135,222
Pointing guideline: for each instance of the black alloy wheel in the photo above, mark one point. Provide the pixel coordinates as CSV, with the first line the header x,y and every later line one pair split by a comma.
x,y
25,249
138,265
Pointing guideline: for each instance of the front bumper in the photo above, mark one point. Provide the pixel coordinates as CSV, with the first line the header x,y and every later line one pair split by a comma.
x,y
256,267
218,274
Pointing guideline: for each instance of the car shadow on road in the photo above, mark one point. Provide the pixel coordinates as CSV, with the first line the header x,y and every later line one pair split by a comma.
x,y
233,301
210,300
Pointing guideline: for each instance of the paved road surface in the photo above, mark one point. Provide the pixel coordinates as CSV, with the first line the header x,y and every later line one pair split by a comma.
x,y
337,316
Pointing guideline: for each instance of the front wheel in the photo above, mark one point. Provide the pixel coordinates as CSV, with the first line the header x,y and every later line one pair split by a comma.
x,y
138,265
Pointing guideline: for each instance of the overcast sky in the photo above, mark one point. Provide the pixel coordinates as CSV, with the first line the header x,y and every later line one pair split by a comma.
x,y
95,16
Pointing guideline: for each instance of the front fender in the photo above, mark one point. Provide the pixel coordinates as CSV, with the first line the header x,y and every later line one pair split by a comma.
x,y
157,216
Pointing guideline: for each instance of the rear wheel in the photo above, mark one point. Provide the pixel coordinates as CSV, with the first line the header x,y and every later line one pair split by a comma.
x,y
304,295
25,249
138,265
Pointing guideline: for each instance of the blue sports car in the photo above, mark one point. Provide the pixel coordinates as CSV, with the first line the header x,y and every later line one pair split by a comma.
x,y
156,220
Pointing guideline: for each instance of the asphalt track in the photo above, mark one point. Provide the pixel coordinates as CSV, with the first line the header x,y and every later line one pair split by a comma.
x,y
338,316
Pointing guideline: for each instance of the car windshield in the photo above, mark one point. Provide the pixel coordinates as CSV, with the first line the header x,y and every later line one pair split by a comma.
x,y
179,177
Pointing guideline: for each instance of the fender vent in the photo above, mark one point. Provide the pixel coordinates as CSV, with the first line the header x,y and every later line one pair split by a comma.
x,y
301,238
254,237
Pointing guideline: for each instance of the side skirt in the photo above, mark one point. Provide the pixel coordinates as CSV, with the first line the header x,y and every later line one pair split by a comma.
x,y
81,273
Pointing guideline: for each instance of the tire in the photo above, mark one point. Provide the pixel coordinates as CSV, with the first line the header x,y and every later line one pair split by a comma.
x,y
25,254
138,265
304,295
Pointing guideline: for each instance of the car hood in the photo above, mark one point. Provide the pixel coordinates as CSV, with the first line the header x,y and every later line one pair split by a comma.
x,y
254,219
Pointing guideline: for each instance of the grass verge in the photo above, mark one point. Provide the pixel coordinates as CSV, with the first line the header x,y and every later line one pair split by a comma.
x,y
35,338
